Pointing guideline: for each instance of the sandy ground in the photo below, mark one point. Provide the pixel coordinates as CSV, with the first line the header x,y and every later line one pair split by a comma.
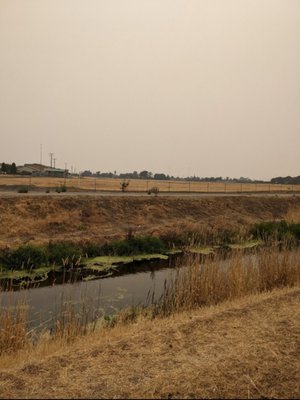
x,y
249,348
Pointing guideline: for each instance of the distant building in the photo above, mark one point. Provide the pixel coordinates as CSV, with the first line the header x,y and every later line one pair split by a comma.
x,y
41,170
55,172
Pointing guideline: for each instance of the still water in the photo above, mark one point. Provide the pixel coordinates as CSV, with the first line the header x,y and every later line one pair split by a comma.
x,y
139,286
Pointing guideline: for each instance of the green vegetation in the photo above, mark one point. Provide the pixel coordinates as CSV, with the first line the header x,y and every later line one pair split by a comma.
x,y
102,263
133,246
102,256
61,189
279,231
23,189
69,254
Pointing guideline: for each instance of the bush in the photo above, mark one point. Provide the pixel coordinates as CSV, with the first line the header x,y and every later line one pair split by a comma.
x,y
26,256
281,231
134,245
154,190
124,185
23,189
65,253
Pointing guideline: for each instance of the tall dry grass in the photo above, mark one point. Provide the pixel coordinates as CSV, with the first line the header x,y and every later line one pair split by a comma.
x,y
213,282
195,284
13,329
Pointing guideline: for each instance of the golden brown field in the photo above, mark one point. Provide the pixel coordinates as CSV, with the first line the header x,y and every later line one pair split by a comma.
x,y
140,185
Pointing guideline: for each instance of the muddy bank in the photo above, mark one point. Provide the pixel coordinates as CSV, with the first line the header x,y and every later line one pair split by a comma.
x,y
25,219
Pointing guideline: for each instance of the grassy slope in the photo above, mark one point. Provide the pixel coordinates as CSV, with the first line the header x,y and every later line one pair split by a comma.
x,y
37,220
247,348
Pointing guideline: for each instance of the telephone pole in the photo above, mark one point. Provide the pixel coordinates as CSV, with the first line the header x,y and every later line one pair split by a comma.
x,y
41,153
51,158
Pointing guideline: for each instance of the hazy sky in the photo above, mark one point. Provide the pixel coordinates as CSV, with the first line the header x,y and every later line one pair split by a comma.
x,y
205,87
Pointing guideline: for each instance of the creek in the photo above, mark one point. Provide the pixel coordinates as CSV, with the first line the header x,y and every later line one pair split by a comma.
x,y
135,285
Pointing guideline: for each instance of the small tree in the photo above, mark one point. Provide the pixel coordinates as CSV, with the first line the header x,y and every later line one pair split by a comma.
x,y
13,169
3,167
124,185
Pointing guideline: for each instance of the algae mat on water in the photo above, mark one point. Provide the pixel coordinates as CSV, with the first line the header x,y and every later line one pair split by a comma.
x,y
103,263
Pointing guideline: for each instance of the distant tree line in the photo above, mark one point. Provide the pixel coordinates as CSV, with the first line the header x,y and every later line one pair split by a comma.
x,y
8,168
161,176
287,180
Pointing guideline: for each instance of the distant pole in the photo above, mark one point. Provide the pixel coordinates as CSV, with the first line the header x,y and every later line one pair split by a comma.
x,y
51,158
65,174
54,159
41,153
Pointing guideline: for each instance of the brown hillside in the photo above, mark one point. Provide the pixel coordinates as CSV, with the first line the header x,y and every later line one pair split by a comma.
x,y
38,219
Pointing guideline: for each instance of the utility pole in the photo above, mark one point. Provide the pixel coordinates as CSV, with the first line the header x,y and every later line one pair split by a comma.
x,y
41,153
51,158
54,159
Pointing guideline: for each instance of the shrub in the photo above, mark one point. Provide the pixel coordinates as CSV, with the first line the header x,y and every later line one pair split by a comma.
x,y
26,256
65,253
154,190
281,231
23,189
124,185
134,245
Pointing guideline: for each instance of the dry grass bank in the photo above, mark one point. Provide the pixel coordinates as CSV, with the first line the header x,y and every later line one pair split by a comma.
x,y
247,348
26,219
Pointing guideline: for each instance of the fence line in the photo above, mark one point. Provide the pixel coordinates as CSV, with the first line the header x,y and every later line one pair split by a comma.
x,y
139,185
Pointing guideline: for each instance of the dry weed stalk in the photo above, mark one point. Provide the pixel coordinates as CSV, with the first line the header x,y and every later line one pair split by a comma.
x,y
13,329
220,280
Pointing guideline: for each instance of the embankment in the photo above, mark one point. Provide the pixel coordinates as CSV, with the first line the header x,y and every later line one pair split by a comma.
x,y
26,219
248,348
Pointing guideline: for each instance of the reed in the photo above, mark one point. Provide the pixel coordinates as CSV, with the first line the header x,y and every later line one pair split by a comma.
x,y
215,281
13,329
198,282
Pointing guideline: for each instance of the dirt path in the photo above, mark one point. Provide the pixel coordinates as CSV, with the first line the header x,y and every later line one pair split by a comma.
x,y
249,348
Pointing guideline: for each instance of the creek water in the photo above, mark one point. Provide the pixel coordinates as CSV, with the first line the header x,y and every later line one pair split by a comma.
x,y
138,286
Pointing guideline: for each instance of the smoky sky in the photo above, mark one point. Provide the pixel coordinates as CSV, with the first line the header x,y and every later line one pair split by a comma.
x,y
184,87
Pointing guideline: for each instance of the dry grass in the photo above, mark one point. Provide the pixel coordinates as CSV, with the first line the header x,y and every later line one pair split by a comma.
x,y
140,185
38,220
217,281
13,329
248,348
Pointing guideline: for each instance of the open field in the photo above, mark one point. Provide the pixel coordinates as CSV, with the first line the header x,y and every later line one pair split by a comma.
x,y
26,219
246,348
9,182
